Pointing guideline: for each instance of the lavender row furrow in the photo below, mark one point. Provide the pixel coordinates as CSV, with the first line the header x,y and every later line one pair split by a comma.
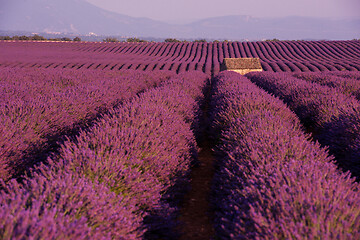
x,y
332,117
38,106
282,56
117,180
271,180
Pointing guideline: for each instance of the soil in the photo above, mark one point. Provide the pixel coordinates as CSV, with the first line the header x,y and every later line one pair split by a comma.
x,y
195,213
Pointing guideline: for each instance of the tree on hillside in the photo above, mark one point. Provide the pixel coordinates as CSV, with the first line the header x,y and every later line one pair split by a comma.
x,y
38,38
5,38
16,37
110,39
135,40
272,40
172,40
200,40
77,39
65,39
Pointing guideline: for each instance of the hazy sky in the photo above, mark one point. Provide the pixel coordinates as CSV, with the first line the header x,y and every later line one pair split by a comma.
x,y
183,10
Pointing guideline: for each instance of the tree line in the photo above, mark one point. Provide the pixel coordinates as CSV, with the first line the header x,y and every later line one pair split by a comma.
x,y
108,39
39,38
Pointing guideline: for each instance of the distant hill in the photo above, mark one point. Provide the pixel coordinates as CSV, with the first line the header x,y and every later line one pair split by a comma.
x,y
81,17
282,28
71,16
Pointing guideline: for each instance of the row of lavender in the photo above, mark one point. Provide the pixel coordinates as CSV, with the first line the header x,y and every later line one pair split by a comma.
x,y
272,181
279,56
105,183
331,113
288,50
38,106
347,82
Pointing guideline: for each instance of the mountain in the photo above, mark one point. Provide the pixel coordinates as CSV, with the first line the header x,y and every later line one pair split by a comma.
x,y
247,27
81,17
71,16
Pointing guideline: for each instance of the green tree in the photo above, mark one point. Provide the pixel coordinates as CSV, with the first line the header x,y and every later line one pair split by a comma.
x,y
5,38
200,40
65,39
77,39
109,39
24,37
172,40
273,40
135,40
38,38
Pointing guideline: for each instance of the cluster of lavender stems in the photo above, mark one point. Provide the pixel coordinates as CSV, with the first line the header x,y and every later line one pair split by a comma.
x,y
106,181
347,74
348,84
272,181
330,115
38,106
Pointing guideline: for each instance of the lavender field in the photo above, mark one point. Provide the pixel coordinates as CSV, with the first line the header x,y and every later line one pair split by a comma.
x,y
275,56
102,140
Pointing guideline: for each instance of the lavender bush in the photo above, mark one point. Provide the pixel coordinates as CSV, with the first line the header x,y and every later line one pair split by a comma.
x,y
347,86
347,74
329,114
104,183
61,204
38,106
272,182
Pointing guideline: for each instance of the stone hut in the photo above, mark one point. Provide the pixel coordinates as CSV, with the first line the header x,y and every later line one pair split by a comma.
x,y
241,65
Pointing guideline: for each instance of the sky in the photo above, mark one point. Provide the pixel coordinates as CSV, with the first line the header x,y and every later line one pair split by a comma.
x,y
182,11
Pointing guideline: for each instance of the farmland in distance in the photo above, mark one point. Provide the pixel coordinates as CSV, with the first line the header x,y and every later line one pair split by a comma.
x,y
152,141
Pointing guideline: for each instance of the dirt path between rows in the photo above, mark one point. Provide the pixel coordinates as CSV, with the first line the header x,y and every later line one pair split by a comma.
x,y
195,213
